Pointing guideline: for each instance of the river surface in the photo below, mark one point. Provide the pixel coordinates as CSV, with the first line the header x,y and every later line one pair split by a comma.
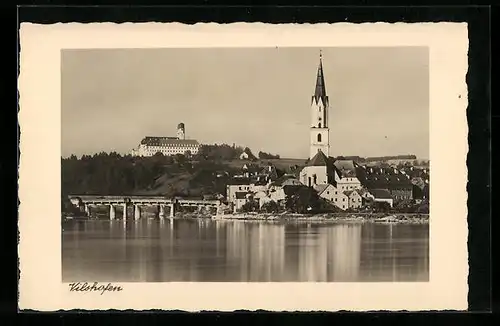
x,y
203,250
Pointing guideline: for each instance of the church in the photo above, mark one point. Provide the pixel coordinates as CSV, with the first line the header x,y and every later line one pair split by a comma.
x,y
333,179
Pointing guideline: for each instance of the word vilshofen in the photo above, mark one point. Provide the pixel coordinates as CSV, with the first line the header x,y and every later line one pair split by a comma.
x,y
95,287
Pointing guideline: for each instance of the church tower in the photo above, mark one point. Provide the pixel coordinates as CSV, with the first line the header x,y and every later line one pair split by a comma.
x,y
319,116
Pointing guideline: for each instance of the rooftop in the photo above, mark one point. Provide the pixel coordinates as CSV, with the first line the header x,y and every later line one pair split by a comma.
x,y
381,193
348,192
320,159
320,188
168,141
290,190
346,168
285,180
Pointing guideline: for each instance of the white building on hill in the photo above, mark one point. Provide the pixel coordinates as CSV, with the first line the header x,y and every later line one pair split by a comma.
x,y
149,146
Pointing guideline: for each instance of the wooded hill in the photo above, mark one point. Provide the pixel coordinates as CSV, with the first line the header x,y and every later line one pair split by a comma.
x,y
180,175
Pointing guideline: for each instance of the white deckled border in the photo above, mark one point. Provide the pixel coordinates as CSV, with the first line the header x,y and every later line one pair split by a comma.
x,y
39,181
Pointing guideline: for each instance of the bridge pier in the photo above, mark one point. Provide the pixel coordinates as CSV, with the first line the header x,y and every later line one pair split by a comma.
x,y
172,210
137,212
112,212
87,210
161,215
124,211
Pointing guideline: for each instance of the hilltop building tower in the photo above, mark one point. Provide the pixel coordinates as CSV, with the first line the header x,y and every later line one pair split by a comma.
x,y
319,131
181,131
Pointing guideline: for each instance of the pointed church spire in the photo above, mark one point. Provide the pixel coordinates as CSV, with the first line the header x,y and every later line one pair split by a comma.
x,y
320,91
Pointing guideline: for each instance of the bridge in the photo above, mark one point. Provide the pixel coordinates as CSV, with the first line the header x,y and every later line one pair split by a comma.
x,y
86,202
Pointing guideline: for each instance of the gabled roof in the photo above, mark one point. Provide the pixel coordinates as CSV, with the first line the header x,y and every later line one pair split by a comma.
x,y
348,192
346,168
320,188
381,193
320,159
286,179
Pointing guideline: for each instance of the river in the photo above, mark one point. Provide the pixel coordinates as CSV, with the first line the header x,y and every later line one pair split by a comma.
x,y
204,250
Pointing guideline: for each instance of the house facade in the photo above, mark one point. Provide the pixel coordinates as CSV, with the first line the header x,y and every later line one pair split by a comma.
x,y
355,199
235,186
333,195
241,198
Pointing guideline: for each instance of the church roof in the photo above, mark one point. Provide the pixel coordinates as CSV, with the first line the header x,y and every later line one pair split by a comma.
x,y
320,159
320,90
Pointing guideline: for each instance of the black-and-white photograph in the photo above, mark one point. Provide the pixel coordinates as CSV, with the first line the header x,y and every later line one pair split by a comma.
x,y
273,164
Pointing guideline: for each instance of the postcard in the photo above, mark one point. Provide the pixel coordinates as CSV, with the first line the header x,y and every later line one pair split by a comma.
x,y
222,167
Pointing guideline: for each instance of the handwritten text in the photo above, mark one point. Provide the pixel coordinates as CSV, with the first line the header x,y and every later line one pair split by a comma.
x,y
93,287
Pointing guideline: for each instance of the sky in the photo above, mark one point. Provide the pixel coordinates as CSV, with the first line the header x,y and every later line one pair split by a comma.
x,y
255,97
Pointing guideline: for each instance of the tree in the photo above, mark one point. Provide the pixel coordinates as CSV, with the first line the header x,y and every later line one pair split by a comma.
x,y
423,208
180,159
405,206
67,208
250,206
382,207
304,200
270,207
267,156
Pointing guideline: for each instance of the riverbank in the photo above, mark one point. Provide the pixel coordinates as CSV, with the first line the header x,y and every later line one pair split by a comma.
x,y
330,217
401,218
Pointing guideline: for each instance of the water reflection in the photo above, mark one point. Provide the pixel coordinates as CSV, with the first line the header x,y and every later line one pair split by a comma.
x,y
237,251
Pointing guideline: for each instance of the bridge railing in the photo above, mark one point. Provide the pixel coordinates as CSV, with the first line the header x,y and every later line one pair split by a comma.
x,y
132,199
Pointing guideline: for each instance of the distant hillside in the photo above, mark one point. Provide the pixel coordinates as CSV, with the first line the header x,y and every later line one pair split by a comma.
x,y
379,158
112,174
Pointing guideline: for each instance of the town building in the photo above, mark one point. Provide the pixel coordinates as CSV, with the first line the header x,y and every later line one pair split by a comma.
x,y
241,198
236,185
396,182
150,145
333,195
355,200
381,196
